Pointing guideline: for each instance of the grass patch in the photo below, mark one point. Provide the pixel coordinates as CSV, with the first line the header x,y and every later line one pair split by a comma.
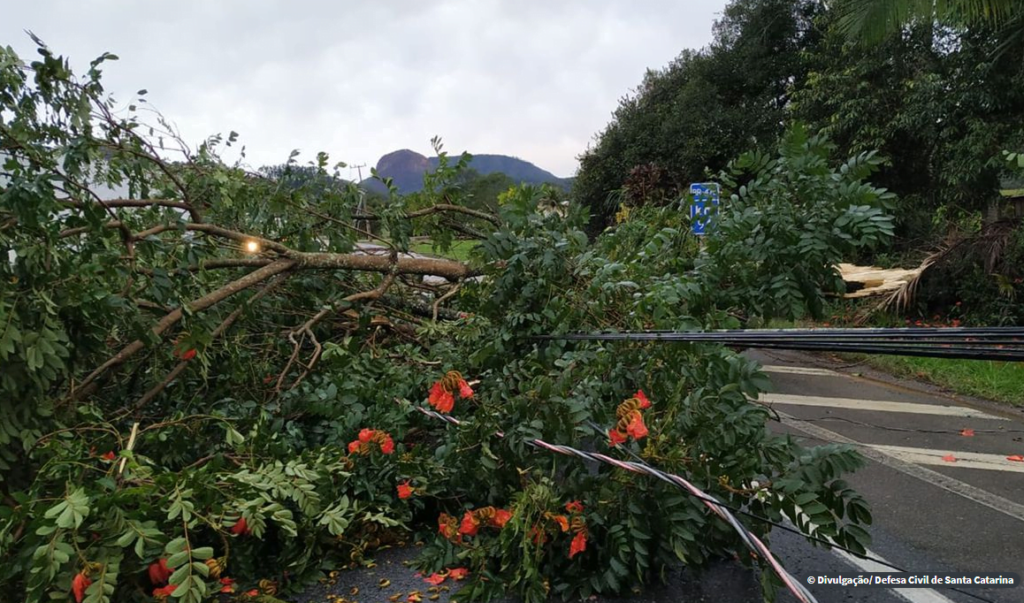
x,y
999,381
459,251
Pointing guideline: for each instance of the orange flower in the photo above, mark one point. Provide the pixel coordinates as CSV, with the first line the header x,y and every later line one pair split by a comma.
x,y
404,490
465,391
388,445
159,572
574,506
241,527
184,354
164,591
448,527
501,517
469,525
365,435
458,573
562,522
109,455
435,579
440,398
228,585
353,446
636,427
616,437
642,398
579,544
252,593
78,585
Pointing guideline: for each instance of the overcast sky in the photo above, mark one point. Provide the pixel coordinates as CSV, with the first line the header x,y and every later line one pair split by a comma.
x,y
532,79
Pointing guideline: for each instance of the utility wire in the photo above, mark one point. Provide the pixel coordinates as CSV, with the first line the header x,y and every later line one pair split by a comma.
x,y
984,343
721,509
748,538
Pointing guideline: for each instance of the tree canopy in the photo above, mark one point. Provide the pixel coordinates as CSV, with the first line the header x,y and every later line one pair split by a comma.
x,y
940,97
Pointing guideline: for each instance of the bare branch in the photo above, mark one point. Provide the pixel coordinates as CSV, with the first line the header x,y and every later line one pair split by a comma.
x,y
437,303
450,269
440,208
307,329
131,203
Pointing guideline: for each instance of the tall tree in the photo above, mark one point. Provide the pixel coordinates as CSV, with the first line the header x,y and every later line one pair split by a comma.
x,y
939,103
705,107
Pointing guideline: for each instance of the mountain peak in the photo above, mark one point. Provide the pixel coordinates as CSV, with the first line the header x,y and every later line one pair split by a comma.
x,y
406,168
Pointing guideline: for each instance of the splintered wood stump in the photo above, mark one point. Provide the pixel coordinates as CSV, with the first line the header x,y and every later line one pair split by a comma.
x,y
869,281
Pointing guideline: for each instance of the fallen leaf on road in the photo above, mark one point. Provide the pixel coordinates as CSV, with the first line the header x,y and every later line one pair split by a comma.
x,y
967,432
1016,458
949,458
458,573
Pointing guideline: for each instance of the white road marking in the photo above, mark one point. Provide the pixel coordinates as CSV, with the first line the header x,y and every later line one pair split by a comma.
x,y
877,405
966,460
801,370
982,497
913,595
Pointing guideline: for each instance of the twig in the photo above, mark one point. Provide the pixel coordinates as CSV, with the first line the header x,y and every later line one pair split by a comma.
x,y
450,293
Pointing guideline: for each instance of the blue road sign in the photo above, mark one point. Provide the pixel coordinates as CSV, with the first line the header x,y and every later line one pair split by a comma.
x,y
706,196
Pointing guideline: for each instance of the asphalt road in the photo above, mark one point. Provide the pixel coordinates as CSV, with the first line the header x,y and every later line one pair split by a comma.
x,y
942,501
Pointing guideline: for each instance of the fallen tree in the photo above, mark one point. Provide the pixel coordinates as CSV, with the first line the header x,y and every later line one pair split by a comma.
x,y
207,385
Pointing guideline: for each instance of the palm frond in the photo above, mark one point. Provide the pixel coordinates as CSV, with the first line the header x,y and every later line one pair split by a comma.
x,y
873,20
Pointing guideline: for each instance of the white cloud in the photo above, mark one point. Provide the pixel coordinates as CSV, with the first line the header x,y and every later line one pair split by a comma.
x,y
532,79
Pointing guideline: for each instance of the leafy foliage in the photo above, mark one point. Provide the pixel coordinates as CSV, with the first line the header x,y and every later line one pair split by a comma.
x,y
208,377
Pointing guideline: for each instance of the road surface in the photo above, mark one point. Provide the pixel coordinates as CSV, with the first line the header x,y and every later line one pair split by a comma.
x,y
942,501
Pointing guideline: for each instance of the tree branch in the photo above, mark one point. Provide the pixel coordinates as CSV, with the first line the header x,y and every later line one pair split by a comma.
x,y
217,332
208,300
440,208
307,329
131,203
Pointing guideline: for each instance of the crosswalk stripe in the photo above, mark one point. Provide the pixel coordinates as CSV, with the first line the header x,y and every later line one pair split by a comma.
x,y
877,405
941,480
800,370
966,460
913,595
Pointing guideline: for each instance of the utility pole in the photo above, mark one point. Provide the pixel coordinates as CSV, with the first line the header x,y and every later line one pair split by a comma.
x,y
361,208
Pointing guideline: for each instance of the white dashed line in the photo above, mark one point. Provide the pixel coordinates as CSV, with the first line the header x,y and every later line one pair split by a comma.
x,y
801,370
965,460
877,405
973,493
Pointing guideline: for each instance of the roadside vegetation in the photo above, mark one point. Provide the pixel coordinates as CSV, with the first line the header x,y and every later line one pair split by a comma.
x,y
999,381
